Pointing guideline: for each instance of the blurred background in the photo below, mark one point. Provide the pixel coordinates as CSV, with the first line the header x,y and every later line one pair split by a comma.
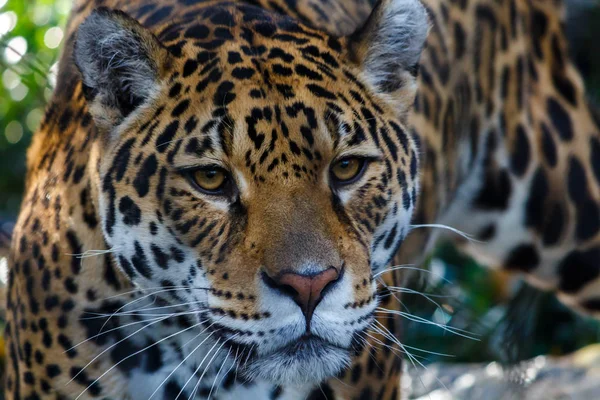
x,y
455,292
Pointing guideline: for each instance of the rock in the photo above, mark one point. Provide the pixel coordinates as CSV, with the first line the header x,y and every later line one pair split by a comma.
x,y
573,377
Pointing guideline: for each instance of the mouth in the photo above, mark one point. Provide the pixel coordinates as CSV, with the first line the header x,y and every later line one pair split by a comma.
x,y
308,343
308,359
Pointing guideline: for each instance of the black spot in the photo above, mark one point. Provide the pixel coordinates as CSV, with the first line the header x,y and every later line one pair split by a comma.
x,y
578,269
320,91
224,95
153,360
131,212
233,57
595,157
523,257
126,265
141,183
166,137
564,87
521,152
175,90
588,221
534,209
189,67
323,392
197,32
459,41
173,390
52,370
554,226
242,73
548,147
160,257
560,119
140,262
180,108
577,181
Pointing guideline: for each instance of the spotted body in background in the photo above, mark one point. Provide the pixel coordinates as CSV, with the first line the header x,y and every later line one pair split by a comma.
x,y
218,188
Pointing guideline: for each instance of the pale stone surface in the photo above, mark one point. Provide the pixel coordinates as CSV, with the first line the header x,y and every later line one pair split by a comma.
x,y
574,377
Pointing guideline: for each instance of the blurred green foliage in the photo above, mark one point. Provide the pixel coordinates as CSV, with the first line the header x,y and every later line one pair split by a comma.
x,y
30,36
470,298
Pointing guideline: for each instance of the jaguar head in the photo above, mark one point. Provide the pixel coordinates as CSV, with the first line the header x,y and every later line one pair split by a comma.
x,y
258,170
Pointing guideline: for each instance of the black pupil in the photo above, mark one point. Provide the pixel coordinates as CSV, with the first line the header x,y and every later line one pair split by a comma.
x,y
211,174
345,164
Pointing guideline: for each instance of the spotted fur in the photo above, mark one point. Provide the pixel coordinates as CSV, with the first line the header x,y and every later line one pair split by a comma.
x,y
129,282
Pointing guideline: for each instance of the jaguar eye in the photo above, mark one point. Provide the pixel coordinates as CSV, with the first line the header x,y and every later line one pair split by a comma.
x,y
211,180
347,170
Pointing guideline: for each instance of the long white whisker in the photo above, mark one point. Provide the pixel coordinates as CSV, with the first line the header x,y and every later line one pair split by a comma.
x,y
412,357
219,373
113,345
207,366
138,314
199,366
449,228
416,318
136,290
134,354
185,359
107,332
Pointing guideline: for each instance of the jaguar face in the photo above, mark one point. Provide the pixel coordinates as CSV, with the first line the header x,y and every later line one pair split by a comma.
x,y
258,171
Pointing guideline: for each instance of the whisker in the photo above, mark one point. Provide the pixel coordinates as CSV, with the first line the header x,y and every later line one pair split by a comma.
x,y
113,345
411,267
132,302
185,359
218,373
415,318
393,338
413,358
207,366
399,289
411,291
200,366
449,228
129,356
136,290
138,314
107,332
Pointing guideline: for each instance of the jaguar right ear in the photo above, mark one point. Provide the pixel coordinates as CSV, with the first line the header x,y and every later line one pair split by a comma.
x,y
121,65
388,47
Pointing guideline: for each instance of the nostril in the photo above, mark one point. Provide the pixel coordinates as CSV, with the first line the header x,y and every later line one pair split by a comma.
x,y
289,290
306,290
273,284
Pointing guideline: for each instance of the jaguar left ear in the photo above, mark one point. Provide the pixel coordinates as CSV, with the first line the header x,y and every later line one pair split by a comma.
x,y
388,47
121,65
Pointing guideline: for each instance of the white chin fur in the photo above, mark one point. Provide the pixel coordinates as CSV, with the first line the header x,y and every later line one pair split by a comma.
x,y
310,365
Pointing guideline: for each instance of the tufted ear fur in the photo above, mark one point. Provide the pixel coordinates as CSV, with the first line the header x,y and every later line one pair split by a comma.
x,y
388,47
121,63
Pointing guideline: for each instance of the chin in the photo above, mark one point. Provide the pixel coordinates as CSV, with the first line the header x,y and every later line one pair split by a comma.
x,y
305,361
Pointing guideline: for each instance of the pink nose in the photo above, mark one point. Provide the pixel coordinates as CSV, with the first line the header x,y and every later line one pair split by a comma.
x,y
306,290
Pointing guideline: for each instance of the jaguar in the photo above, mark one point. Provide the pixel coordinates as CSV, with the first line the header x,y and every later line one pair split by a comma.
x,y
222,194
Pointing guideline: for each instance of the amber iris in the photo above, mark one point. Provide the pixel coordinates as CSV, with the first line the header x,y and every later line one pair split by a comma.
x,y
347,170
210,179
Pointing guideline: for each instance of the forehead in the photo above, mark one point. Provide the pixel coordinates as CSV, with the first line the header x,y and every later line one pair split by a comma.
x,y
266,80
